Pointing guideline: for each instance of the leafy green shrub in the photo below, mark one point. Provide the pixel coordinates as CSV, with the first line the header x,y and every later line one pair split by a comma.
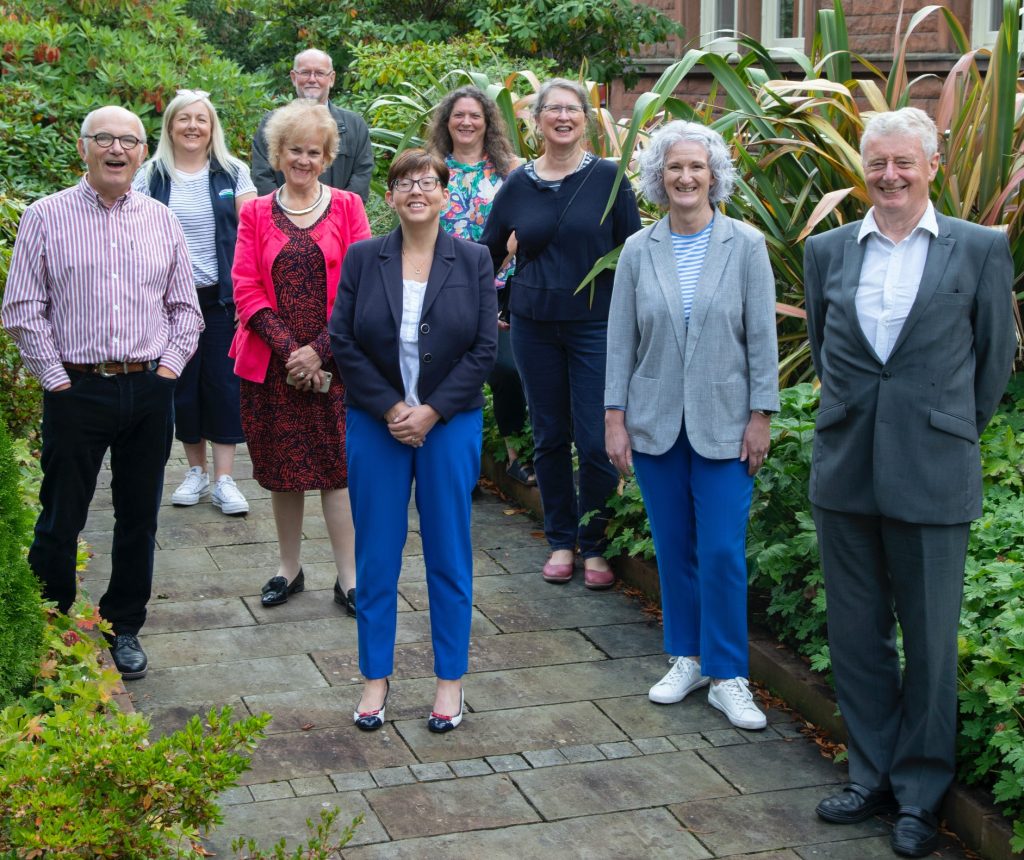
x,y
80,783
322,845
21,616
63,58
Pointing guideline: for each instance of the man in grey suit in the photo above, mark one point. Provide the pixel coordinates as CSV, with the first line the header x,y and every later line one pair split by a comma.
x,y
312,75
911,329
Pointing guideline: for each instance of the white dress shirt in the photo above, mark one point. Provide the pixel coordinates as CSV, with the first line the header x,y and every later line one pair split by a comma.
x,y
890,276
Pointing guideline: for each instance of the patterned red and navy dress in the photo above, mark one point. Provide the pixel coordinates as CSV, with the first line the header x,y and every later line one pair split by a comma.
x,y
296,438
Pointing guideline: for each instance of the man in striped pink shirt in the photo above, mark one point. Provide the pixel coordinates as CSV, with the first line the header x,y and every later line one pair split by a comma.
x,y
100,301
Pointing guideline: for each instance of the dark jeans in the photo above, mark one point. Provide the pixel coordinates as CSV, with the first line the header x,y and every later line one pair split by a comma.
x,y
132,416
507,389
207,400
562,368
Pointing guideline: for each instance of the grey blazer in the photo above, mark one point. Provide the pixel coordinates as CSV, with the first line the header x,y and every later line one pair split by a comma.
x,y
900,439
712,372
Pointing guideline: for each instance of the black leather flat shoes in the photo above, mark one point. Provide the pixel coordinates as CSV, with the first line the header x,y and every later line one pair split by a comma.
x,y
916,833
855,804
277,589
346,599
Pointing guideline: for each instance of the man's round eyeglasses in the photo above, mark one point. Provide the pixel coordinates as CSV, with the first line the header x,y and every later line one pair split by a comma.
x,y
313,73
105,140
425,183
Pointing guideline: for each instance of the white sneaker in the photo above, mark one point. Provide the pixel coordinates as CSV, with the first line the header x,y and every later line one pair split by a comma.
x,y
229,498
684,677
734,699
193,488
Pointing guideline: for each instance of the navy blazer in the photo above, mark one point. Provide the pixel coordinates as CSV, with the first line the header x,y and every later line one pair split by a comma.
x,y
458,327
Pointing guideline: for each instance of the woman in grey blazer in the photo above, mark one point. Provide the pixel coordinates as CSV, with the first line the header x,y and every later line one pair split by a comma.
x,y
691,381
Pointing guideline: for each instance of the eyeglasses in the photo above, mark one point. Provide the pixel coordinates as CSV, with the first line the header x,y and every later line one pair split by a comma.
x,y
105,140
572,110
425,183
305,74
199,94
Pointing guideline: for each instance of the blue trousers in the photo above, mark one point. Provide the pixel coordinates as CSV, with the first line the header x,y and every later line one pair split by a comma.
x,y
132,416
698,510
562,367
381,472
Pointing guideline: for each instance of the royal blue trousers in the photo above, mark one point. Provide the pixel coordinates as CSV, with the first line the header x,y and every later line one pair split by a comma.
x,y
698,511
381,475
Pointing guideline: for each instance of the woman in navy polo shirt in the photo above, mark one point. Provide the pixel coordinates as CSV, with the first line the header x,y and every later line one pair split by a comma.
x,y
193,173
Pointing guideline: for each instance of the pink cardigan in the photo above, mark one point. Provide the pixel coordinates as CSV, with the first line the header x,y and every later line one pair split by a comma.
x,y
259,242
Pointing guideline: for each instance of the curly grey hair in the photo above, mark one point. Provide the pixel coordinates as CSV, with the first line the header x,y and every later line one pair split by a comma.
x,y
575,87
652,161
909,121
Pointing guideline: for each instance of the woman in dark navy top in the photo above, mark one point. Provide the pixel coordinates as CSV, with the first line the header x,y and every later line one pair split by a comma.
x,y
554,206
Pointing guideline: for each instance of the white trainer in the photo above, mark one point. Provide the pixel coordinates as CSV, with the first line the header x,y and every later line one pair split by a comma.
x,y
734,699
229,498
684,677
193,488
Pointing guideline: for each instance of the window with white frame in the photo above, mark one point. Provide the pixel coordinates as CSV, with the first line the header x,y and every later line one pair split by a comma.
x,y
717,16
782,23
985,22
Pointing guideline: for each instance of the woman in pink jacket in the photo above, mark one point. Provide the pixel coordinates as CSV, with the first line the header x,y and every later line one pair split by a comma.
x,y
287,266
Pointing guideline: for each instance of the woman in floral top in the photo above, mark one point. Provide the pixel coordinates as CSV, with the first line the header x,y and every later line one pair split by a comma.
x,y
469,133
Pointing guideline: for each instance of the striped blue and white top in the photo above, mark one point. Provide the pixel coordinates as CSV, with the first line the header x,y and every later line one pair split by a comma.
x,y
690,251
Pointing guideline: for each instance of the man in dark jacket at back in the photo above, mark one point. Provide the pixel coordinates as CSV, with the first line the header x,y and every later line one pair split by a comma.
x,y
313,76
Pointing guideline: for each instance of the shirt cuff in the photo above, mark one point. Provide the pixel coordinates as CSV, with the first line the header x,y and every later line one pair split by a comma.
x,y
54,377
173,362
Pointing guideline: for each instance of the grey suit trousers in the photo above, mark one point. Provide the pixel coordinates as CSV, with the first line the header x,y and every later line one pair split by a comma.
x,y
878,571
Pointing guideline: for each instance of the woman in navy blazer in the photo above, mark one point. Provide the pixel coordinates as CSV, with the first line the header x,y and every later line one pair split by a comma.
x,y
414,335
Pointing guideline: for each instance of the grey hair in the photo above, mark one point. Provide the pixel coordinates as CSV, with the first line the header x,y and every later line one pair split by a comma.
x,y
652,161
163,158
575,87
324,54
87,122
909,121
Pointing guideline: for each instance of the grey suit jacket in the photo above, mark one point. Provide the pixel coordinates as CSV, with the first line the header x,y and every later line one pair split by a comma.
x,y
900,439
714,371
351,169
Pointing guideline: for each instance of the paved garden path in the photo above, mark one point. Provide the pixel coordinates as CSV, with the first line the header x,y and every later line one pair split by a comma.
x,y
560,753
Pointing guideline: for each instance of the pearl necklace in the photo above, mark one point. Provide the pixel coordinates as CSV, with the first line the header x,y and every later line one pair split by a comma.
x,y
307,210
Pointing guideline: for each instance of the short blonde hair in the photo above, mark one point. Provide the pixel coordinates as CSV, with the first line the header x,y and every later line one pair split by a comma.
x,y
300,118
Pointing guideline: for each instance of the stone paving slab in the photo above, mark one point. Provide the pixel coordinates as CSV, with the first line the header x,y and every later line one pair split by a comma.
x,y
252,643
635,639
448,806
166,719
307,605
166,616
771,766
648,833
613,786
523,559
497,589
642,718
486,654
211,681
574,682
195,559
223,532
320,752
502,732
770,820
558,613
268,822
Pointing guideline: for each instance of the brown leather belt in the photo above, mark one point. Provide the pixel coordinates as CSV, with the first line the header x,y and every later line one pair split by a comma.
x,y
112,368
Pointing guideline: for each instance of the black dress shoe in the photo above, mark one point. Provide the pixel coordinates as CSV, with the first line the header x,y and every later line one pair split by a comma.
x,y
855,804
128,656
278,588
916,833
346,599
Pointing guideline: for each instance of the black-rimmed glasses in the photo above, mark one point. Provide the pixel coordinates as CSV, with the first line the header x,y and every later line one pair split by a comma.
x,y
425,183
104,140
